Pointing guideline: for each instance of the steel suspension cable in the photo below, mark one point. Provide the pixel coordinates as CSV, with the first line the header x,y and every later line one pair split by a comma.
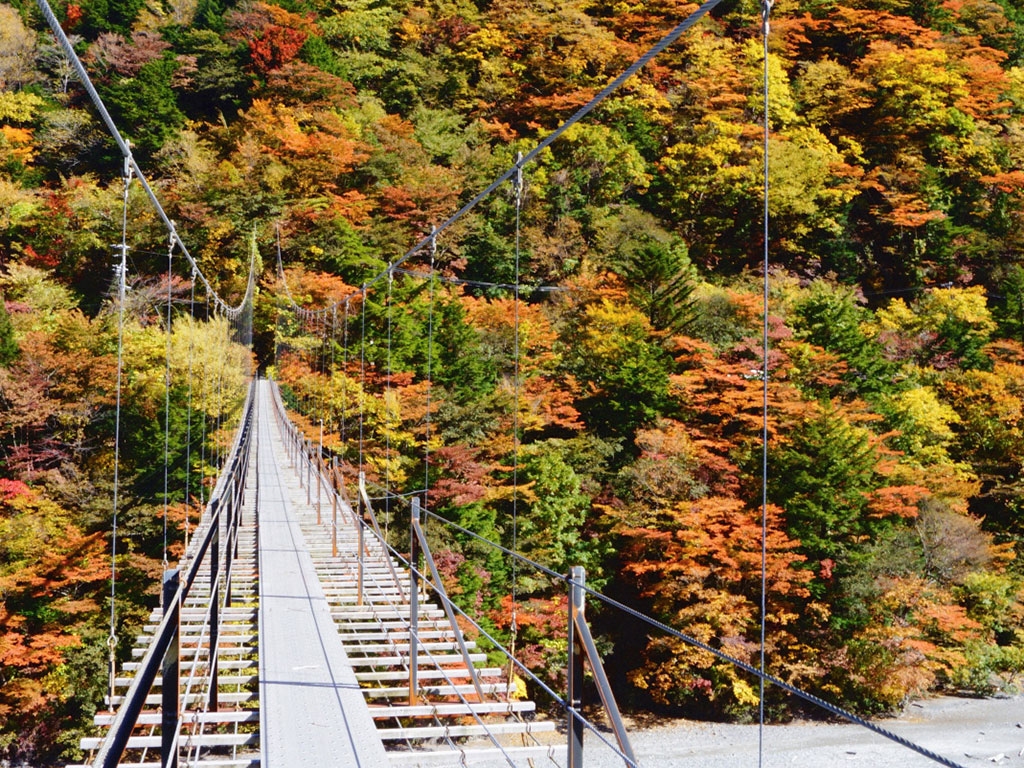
x,y
311,364
430,359
387,417
206,415
344,389
362,376
323,392
582,112
220,391
277,337
122,270
334,333
167,393
323,398
766,7
124,146
514,626
188,412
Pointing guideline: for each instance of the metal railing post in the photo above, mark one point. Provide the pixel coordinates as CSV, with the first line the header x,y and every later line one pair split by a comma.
x,y
256,504
434,576
372,521
574,672
214,606
170,681
360,526
319,470
584,646
308,450
334,506
229,549
414,600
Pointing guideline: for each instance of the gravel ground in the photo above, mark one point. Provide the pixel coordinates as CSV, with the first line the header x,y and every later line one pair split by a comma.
x,y
970,732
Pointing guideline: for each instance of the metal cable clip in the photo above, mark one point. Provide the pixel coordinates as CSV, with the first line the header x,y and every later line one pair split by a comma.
x,y
766,10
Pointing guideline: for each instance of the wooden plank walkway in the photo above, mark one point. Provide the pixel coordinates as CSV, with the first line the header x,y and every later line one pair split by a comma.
x,y
449,722
312,711
311,671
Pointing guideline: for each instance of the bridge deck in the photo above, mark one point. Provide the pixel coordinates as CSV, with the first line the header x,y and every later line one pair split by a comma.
x,y
312,711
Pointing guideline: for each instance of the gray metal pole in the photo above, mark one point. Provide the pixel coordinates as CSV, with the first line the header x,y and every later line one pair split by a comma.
x,y
362,523
229,549
574,694
319,470
214,608
414,600
335,483
170,683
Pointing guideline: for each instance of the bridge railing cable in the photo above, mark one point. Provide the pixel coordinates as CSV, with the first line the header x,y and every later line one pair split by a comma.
x,y
367,526
694,642
125,148
223,511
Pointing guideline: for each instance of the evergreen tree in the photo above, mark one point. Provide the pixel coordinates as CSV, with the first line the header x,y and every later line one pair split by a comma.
x,y
210,15
148,103
821,478
1010,314
830,318
549,526
8,344
661,285
459,363
109,16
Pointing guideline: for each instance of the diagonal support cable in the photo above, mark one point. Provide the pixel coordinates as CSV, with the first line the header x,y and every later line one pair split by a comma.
x,y
125,147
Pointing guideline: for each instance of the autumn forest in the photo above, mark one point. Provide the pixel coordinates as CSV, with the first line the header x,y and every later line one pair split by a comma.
x,y
341,131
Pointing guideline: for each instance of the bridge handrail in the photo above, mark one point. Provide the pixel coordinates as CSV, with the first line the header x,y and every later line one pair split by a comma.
x,y
303,450
167,632
237,478
577,718
694,642
366,509
418,545
297,445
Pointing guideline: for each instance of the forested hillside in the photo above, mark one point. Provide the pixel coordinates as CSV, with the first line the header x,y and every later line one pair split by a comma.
x,y
896,317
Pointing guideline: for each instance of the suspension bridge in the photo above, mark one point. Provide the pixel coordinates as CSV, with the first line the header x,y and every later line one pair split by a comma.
x,y
294,631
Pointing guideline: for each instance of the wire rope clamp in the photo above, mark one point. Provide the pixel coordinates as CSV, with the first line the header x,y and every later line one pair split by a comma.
x,y
766,12
128,162
517,184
